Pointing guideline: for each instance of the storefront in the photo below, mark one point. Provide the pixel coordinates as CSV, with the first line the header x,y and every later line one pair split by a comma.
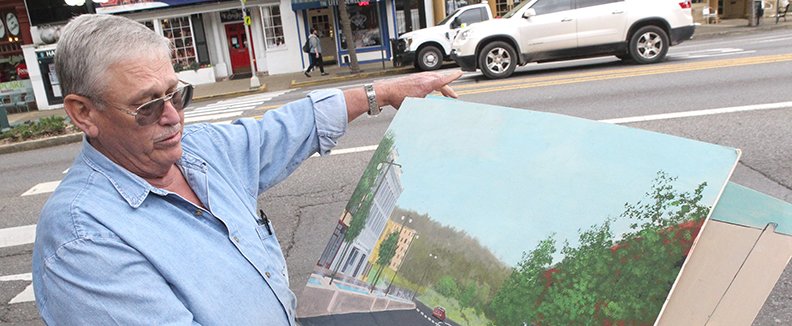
x,y
209,38
16,90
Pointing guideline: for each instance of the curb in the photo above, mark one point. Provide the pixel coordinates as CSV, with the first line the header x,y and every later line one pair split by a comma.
x,y
261,89
738,30
361,75
41,143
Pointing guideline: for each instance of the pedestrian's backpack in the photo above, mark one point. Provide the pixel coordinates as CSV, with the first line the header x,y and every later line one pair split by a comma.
x,y
307,46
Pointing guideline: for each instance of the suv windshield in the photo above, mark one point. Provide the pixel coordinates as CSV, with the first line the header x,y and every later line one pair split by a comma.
x,y
449,17
516,9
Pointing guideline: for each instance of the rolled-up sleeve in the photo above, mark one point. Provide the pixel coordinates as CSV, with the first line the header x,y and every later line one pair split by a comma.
x,y
331,123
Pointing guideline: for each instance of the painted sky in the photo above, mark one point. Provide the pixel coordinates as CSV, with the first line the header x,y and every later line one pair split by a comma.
x,y
511,177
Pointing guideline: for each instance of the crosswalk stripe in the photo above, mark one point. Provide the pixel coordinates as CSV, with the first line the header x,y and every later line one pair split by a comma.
x,y
212,117
207,112
42,188
17,236
25,296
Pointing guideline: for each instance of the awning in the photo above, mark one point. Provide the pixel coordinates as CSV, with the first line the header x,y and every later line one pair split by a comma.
x,y
311,4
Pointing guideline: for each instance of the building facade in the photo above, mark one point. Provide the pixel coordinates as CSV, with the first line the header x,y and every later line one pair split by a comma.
x,y
15,85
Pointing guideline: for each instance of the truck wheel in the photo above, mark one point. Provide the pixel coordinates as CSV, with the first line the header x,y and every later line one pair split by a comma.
x,y
649,45
429,58
497,60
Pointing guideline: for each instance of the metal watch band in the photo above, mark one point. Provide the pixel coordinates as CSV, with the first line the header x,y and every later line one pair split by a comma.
x,y
373,108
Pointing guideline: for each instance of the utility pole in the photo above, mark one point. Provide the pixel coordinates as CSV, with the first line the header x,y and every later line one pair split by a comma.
x,y
254,81
752,21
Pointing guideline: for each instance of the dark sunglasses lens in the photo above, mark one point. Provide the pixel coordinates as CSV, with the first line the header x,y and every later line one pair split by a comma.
x,y
150,112
184,97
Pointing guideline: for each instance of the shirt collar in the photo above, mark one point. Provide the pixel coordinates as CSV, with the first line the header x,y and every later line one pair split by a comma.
x,y
130,186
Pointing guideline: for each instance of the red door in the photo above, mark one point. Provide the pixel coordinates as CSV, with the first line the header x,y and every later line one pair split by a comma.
x,y
237,47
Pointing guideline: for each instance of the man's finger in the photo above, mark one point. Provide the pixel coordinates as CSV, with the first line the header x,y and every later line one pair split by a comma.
x,y
447,79
447,91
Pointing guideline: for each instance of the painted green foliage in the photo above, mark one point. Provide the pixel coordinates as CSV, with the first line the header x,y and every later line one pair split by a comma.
x,y
359,204
388,249
607,279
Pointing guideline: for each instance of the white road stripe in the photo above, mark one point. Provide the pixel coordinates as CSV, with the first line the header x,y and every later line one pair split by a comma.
x,y
687,114
17,236
25,296
42,188
212,117
202,113
17,277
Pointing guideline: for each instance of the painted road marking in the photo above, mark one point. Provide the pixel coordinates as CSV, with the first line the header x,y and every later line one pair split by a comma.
x,y
42,188
212,117
687,114
555,80
27,294
17,236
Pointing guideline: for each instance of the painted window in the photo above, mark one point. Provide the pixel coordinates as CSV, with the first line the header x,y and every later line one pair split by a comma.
x,y
273,27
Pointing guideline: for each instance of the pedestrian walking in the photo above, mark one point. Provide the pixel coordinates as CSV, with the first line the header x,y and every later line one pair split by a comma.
x,y
315,54
155,222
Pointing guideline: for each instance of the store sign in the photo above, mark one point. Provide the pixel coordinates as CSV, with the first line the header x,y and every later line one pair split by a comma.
x,y
232,16
111,7
45,54
22,71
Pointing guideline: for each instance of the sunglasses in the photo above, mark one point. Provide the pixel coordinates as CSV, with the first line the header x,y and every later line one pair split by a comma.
x,y
151,111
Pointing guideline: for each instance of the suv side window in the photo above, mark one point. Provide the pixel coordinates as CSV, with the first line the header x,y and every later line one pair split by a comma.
x,y
591,3
550,6
472,16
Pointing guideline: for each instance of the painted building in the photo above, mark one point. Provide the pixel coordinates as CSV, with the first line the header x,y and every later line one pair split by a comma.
x,y
406,237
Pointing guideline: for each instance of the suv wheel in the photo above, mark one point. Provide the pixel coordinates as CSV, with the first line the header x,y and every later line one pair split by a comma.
x,y
497,60
430,58
649,45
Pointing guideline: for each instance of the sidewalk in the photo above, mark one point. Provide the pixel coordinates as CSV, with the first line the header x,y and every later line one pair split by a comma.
x,y
336,74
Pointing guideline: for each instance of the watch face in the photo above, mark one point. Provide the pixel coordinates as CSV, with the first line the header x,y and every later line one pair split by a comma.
x,y
12,23
2,29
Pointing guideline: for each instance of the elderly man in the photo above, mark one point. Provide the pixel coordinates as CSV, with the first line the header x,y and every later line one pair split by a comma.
x,y
156,223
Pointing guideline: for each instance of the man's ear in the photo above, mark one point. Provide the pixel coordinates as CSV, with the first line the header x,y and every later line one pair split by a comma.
x,y
81,111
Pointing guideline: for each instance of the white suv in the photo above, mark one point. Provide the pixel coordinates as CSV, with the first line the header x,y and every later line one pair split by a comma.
x,y
552,30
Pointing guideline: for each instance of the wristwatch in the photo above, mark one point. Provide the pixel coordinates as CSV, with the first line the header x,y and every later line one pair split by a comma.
x,y
373,108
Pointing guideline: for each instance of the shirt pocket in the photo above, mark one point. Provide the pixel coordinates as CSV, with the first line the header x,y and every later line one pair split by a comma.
x,y
272,248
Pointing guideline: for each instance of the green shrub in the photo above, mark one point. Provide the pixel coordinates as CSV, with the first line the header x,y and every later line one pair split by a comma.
x,y
49,126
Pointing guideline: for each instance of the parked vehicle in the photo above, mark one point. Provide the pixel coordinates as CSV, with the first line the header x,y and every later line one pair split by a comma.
x,y
639,31
439,313
427,48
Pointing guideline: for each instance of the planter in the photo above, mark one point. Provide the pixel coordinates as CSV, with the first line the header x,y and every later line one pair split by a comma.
x,y
197,77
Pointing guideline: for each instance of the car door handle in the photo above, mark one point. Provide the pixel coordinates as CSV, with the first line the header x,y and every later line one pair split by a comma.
x,y
617,12
565,20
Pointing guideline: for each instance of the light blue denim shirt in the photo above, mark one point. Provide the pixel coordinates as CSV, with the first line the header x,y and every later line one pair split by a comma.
x,y
113,250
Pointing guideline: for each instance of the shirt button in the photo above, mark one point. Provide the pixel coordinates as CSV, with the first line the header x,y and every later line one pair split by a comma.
x,y
198,212
267,274
235,239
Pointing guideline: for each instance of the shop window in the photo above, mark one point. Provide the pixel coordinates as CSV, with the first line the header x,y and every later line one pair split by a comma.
x,y
179,31
149,24
503,6
273,27
410,15
365,26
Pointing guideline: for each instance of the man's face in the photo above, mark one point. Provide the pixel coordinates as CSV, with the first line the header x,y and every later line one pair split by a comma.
x,y
150,150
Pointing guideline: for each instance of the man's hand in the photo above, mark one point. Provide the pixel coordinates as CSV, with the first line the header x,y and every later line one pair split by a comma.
x,y
392,92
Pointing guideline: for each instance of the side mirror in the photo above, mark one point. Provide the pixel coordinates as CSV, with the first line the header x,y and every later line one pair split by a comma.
x,y
529,13
456,23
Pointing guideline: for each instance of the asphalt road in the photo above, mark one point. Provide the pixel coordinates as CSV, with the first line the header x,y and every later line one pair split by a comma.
x,y
738,72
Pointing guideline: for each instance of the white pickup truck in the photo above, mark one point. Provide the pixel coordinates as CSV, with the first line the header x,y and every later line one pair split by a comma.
x,y
427,48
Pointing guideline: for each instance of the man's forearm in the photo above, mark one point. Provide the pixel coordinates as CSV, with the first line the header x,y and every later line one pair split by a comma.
x,y
357,101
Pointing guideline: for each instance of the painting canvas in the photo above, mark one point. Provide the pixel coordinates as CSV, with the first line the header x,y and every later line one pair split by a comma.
x,y
472,214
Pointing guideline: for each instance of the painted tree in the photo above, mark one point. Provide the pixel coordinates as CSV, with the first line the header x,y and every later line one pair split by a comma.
x,y
387,250
359,205
604,279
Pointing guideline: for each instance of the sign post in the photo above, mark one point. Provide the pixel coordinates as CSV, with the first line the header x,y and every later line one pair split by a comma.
x,y
254,81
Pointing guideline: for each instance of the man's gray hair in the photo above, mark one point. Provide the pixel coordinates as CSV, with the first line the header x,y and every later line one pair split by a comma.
x,y
91,43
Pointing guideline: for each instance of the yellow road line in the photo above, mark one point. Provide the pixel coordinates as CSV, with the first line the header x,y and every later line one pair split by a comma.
x,y
621,73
